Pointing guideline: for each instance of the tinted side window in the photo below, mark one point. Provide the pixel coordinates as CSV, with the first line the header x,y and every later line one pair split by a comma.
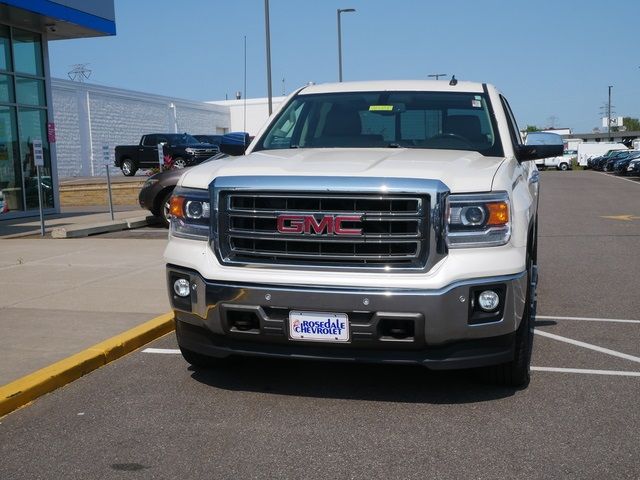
x,y
149,140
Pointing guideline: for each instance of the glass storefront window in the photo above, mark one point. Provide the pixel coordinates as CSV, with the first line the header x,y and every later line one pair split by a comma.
x,y
23,118
27,52
10,178
5,48
31,125
30,91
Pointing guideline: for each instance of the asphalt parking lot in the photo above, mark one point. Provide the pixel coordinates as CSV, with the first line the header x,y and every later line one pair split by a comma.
x,y
149,415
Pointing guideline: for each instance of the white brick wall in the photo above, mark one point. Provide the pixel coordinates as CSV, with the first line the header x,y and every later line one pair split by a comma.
x,y
118,117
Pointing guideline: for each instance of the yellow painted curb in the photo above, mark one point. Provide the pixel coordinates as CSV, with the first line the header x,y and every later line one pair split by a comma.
x,y
26,389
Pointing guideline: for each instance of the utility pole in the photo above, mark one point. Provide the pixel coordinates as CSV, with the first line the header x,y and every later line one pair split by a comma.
x,y
437,75
268,34
609,113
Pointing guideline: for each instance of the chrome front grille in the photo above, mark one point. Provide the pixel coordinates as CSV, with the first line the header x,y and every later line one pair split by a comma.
x,y
394,229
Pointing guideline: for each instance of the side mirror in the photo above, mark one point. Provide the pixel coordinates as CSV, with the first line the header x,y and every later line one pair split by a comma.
x,y
235,143
534,152
540,145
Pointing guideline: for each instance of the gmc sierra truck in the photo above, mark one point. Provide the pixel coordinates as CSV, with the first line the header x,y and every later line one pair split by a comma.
x,y
391,222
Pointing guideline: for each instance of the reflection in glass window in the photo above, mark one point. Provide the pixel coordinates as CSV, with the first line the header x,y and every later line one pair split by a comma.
x,y
30,91
10,179
5,50
27,52
6,89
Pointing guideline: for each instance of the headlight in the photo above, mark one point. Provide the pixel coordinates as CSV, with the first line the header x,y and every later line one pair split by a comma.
x,y
478,220
190,213
189,150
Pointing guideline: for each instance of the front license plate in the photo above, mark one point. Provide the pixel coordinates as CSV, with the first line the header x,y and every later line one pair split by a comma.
x,y
319,326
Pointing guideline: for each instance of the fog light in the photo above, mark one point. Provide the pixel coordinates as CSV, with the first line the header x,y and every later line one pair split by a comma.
x,y
488,300
181,287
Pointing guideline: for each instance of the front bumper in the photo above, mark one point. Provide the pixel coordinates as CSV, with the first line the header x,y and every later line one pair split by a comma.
x,y
440,331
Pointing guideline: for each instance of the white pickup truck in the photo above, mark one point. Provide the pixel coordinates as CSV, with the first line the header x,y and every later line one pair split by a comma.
x,y
389,222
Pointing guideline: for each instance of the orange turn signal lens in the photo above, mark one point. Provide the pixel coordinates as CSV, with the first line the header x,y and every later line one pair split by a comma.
x,y
498,213
176,206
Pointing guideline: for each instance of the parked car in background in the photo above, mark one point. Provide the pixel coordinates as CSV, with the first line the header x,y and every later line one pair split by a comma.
x,y
233,143
633,168
156,191
179,149
609,165
620,166
587,150
562,162
611,155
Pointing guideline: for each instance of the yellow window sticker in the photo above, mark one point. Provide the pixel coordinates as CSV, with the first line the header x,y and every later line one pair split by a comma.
x,y
381,108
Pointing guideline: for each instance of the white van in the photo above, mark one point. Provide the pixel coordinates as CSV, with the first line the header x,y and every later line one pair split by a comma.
x,y
593,149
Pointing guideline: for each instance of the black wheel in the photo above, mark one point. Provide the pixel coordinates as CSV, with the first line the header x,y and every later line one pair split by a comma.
x,y
128,167
163,208
179,163
199,361
564,167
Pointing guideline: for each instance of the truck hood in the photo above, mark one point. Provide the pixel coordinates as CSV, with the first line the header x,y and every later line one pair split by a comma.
x,y
461,171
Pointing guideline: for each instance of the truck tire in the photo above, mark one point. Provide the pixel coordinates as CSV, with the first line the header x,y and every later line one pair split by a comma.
x,y
128,167
517,373
563,166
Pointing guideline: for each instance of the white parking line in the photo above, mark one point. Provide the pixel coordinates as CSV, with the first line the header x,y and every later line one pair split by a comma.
x,y
587,319
161,350
619,178
587,371
587,345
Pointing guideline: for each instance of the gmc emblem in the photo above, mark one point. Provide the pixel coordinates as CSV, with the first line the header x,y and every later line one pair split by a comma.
x,y
307,224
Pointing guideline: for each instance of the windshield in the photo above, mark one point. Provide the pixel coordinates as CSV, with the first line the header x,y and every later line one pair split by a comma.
x,y
440,120
181,139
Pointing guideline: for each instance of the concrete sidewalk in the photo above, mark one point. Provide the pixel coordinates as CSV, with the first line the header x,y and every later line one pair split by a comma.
x,y
58,297
70,217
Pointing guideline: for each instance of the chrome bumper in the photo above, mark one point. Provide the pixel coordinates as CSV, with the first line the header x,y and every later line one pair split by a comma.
x,y
442,334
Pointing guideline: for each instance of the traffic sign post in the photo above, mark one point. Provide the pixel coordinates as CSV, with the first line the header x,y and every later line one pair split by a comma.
x,y
161,156
38,160
106,159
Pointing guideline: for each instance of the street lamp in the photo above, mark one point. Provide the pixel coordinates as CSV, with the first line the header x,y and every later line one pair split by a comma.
x,y
341,10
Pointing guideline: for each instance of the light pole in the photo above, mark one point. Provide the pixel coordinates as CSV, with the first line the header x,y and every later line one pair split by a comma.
x,y
341,10
268,34
437,75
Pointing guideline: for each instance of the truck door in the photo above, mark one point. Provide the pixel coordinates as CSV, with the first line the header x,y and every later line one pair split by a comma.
x,y
149,153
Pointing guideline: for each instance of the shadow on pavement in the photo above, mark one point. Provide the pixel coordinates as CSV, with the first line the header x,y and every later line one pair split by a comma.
x,y
384,383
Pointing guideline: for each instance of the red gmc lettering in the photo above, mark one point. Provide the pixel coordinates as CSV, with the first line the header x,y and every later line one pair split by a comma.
x,y
308,225
296,224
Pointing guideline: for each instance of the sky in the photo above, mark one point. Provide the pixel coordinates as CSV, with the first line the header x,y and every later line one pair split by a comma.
x,y
552,59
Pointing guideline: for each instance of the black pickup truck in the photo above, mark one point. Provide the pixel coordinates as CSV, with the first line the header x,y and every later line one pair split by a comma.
x,y
180,150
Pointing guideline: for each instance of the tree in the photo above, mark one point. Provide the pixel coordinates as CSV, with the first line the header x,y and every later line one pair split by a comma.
x,y
531,128
632,124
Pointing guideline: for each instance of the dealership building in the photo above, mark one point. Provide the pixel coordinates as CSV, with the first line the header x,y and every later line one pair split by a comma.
x,y
26,113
